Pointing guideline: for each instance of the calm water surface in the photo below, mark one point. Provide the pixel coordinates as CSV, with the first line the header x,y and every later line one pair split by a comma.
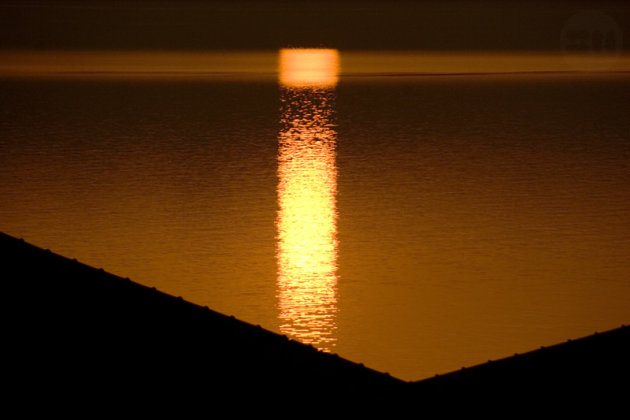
x,y
415,224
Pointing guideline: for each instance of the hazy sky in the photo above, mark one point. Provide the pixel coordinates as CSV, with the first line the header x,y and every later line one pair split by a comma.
x,y
450,25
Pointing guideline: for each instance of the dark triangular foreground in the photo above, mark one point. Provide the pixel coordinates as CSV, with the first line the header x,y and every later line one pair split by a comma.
x,y
74,328
73,322
587,370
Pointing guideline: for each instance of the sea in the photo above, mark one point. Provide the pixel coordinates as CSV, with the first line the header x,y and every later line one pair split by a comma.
x,y
416,212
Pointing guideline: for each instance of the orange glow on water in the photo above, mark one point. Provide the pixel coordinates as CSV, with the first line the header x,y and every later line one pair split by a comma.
x,y
307,218
309,67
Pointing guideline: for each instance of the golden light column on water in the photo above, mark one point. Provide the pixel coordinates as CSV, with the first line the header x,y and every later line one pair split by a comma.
x,y
307,189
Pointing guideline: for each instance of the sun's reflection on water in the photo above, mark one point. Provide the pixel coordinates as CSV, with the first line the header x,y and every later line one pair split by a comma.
x,y
307,217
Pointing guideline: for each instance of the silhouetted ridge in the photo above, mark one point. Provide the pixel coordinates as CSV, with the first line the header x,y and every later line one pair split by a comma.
x,y
77,330
91,327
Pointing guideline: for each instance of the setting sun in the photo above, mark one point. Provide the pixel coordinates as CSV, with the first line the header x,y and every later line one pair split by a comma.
x,y
309,67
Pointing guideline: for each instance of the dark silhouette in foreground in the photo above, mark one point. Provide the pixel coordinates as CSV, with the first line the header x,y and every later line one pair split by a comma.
x,y
88,328
79,326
